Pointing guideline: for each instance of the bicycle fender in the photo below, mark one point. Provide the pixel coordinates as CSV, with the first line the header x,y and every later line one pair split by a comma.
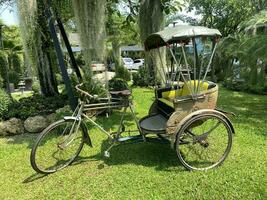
x,y
199,112
86,138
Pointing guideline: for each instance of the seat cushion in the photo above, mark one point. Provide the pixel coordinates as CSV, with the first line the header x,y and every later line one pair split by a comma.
x,y
203,86
169,94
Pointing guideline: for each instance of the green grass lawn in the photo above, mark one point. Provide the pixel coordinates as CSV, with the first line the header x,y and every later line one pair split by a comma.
x,y
147,170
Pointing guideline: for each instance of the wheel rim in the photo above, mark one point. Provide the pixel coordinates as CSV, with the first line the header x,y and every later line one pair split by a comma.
x,y
58,147
204,142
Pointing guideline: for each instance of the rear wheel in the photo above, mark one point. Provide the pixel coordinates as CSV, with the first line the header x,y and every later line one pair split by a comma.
x,y
57,146
204,141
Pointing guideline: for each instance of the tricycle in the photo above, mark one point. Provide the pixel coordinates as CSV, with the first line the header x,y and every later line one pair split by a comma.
x,y
183,113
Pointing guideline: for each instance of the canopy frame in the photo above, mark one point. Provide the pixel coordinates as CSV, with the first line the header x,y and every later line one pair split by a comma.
x,y
182,40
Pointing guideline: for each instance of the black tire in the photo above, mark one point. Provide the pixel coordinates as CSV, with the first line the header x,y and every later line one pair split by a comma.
x,y
48,150
204,141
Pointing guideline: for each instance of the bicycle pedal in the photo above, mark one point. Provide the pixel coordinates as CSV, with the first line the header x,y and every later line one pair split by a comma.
x,y
106,154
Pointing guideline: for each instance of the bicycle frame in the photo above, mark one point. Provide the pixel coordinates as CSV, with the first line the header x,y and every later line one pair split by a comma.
x,y
114,103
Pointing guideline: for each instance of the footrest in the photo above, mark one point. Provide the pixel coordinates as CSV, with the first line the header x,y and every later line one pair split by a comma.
x,y
153,124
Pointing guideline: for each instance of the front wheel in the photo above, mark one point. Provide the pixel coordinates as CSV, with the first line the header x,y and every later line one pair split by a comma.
x,y
204,141
57,146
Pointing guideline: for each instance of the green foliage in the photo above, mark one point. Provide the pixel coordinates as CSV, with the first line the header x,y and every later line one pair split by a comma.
x,y
36,87
15,62
250,51
12,39
141,77
64,111
3,66
223,15
123,73
91,85
1,82
35,105
117,84
14,77
4,103
256,24
59,78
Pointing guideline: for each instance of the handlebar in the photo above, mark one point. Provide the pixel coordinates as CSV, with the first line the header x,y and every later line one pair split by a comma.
x,y
82,92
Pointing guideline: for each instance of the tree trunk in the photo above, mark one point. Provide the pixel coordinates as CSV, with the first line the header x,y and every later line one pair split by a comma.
x,y
37,44
116,53
91,21
46,60
150,21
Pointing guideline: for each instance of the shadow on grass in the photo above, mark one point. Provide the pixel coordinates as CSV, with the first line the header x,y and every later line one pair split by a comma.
x,y
251,109
157,154
26,138
34,177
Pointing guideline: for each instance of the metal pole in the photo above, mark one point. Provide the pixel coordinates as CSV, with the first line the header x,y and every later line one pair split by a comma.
x,y
68,46
200,70
211,58
51,21
185,82
195,61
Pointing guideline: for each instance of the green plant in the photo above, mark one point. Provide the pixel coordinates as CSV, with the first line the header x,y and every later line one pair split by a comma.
x,y
91,85
15,62
117,84
140,78
123,73
59,78
36,87
4,103
35,105
1,82
3,66
14,77
62,112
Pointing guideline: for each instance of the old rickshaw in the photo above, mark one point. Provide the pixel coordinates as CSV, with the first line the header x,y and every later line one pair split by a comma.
x,y
183,113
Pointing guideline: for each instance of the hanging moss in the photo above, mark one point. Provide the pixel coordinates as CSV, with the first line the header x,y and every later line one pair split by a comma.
x,y
38,44
90,17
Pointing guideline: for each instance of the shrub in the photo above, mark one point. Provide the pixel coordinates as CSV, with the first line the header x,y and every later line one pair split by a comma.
x,y
5,101
91,85
35,105
117,84
123,73
140,78
36,87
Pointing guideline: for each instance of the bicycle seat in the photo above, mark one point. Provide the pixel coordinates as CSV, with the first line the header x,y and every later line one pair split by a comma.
x,y
122,93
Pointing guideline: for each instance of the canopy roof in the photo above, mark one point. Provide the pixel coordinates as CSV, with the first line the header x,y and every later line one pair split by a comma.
x,y
178,33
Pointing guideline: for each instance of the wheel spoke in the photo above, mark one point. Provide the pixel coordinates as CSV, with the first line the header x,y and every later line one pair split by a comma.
x,y
57,146
207,142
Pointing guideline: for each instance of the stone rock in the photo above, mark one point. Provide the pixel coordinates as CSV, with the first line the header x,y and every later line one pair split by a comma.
x,y
11,127
35,124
